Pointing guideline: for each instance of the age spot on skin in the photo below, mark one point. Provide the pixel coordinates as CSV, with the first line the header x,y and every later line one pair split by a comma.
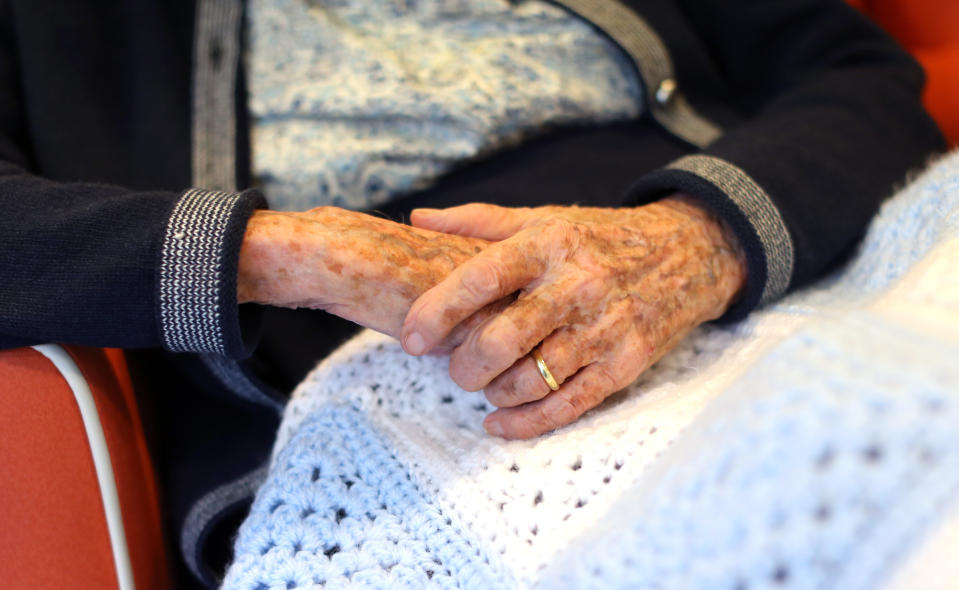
x,y
397,259
451,315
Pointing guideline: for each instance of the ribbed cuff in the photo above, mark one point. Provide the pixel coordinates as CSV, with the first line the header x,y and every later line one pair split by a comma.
x,y
197,305
734,196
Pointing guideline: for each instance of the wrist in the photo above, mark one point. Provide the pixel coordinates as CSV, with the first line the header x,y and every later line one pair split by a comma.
x,y
278,261
720,238
255,253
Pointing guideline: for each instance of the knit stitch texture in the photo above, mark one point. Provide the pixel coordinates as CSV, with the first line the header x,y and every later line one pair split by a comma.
x,y
808,446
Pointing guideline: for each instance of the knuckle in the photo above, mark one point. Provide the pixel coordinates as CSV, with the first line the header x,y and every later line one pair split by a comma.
x,y
321,211
503,395
566,409
491,351
564,231
520,339
501,392
480,360
545,418
525,426
606,380
515,388
519,423
482,281
498,337
559,225
604,277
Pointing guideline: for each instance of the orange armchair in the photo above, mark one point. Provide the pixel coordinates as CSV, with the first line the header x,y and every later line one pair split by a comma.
x,y
929,29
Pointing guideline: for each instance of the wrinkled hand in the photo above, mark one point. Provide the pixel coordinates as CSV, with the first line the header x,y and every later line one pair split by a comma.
x,y
363,268
603,292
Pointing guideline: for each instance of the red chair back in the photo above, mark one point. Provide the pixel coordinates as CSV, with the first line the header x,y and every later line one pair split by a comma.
x,y
929,29
56,501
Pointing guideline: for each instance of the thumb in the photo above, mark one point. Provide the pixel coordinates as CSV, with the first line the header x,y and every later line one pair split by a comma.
x,y
476,220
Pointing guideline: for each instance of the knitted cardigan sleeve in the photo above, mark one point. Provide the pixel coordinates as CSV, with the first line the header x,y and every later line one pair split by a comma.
x,y
101,265
832,121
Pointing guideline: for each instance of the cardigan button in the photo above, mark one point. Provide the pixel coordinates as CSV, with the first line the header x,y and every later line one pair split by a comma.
x,y
216,54
666,91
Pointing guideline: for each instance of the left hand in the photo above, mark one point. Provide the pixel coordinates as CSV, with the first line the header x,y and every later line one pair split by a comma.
x,y
604,293
360,267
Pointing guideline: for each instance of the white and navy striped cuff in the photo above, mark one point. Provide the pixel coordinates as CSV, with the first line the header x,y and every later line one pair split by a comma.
x,y
197,271
760,212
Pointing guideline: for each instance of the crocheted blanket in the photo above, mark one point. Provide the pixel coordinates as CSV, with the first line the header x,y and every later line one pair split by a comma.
x,y
811,445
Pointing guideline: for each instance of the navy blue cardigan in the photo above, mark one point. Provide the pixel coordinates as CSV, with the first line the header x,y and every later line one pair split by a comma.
x,y
792,119
817,107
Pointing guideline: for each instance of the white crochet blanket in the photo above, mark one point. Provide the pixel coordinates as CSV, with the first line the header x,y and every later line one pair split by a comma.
x,y
809,446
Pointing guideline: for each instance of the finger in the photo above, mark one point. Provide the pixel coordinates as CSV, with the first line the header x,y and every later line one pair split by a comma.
x,y
565,351
497,343
478,220
500,270
582,392
462,330
523,383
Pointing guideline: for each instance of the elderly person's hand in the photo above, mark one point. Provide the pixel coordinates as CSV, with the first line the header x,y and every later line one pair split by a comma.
x,y
602,294
363,268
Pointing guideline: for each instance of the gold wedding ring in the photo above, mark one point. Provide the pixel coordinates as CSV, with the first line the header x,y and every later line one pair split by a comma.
x,y
544,370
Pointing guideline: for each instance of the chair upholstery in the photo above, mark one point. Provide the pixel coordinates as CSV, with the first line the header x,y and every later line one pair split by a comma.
x,y
929,29
58,495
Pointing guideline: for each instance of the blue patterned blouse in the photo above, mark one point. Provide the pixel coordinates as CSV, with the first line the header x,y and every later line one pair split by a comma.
x,y
355,102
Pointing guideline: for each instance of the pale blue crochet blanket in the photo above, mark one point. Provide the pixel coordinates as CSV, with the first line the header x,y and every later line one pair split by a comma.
x,y
813,445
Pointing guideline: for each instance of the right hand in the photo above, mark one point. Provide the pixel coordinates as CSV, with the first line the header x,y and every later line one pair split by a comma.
x,y
362,268
603,293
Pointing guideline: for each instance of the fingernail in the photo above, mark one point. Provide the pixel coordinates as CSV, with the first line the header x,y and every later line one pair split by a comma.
x,y
426,211
495,428
415,344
